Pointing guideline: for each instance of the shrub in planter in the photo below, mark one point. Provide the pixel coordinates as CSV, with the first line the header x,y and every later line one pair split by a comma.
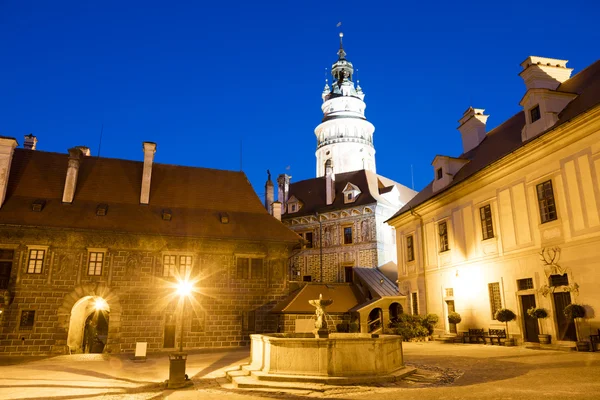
x,y
429,322
454,318
539,314
574,312
412,327
505,315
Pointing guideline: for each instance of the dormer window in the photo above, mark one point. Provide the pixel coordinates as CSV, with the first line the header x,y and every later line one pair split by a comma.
x,y
351,193
534,113
439,173
293,205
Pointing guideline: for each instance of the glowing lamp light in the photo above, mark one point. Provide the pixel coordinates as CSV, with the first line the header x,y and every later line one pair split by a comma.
x,y
100,304
184,288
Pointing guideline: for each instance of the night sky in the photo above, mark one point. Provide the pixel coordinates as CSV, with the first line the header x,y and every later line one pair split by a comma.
x,y
201,78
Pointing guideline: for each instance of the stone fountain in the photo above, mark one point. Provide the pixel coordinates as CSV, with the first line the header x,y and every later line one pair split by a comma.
x,y
321,357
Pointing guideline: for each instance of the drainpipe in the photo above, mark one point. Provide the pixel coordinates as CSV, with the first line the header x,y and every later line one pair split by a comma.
x,y
416,215
320,246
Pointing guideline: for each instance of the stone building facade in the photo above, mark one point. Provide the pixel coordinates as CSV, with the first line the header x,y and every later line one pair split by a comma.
x,y
514,221
104,242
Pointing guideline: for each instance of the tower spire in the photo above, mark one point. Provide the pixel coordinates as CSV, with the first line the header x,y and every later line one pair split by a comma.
x,y
341,53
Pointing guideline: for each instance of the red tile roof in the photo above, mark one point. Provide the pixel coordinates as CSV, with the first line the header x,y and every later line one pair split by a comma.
x,y
196,197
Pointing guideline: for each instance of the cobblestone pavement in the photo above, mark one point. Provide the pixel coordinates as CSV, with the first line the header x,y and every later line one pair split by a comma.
x,y
444,371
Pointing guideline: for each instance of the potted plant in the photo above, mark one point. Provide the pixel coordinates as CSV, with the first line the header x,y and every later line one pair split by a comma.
x,y
539,314
505,315
454,318
574,312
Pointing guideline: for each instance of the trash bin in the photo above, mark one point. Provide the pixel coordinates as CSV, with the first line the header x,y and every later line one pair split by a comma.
x,y
177,370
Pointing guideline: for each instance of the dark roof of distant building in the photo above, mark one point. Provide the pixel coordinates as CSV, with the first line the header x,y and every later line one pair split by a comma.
x,y
506,138
311,192
378,284
196,197
345,296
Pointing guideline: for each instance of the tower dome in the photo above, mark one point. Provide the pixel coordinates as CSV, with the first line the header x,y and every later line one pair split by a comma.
x,y
344,136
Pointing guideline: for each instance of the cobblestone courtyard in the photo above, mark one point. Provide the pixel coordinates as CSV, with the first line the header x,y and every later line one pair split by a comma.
x,y
444,371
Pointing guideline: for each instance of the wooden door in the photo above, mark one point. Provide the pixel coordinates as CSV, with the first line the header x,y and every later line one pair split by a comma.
x,y
451,326
530,325
169,331
566,327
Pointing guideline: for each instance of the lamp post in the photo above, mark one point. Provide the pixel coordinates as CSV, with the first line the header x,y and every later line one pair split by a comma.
x,y
177,377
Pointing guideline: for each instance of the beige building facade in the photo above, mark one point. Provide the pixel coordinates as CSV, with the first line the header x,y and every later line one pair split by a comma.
x,y
514,221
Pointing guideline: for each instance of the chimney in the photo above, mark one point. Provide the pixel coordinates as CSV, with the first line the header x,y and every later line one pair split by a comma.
x,y
283,186
149,150
84,150
269,193
544,73
72,172
472,128
7,149
30,142
277,210
329,182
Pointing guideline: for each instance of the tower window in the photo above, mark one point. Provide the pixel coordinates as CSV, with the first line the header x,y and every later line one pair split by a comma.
x,y
410,249
534,113
440,173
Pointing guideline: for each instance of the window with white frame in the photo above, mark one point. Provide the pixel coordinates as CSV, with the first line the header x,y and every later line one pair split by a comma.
x,y
35,262
495,299
443,234
95,262
410,249
177,265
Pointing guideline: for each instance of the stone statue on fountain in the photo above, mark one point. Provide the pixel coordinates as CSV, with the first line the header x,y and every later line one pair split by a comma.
x,y
321,330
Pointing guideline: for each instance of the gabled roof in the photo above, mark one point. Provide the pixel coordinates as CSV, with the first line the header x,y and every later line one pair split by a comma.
x,y
506,138
196,197
311,192
344,295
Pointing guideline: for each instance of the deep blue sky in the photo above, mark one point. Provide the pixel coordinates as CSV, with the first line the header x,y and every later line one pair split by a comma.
x,y
199,77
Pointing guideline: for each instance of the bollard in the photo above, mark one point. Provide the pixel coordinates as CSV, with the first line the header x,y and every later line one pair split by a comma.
x,y
177,376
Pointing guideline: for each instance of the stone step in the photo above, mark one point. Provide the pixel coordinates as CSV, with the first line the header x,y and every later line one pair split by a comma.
x,y
334,380
250,382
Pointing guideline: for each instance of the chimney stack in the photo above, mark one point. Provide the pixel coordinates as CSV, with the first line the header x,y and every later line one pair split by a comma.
x,y
30,142
7,149
277,210
472,128
544,73
149,150
283,185
84,150
269,193
329,182
72,172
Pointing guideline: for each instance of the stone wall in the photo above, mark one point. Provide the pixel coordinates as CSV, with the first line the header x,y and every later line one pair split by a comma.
x,y
139,297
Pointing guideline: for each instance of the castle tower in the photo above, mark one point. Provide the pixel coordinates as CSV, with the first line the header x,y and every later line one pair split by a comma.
x,y
344,136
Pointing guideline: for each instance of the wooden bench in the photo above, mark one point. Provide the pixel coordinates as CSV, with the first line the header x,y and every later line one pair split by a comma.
x,y
476,334
496,334
595,339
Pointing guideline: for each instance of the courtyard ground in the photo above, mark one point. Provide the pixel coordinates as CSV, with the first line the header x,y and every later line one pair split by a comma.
x,y
445,371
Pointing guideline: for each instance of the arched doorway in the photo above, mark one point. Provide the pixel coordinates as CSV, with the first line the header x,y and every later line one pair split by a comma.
x,y
395,311
88,325
375,322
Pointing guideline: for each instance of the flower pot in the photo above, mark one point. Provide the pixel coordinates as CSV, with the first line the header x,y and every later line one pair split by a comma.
x,y
583,346
544,339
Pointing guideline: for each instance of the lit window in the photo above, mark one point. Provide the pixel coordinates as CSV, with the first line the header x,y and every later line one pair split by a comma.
x,y
27,320
410,250
546,203
348,235
36,261
495,299
443,232
487,228
174,265
535,113
440,173
95,262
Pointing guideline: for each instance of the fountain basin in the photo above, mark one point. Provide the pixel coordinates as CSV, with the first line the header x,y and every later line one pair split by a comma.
x,y
340,355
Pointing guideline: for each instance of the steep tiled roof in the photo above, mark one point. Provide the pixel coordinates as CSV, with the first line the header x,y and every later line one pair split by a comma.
x,y
196,197
345,296
506,138
311,192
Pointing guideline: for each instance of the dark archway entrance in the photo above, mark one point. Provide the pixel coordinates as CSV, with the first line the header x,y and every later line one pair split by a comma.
x,y
375,322
395,311
95,332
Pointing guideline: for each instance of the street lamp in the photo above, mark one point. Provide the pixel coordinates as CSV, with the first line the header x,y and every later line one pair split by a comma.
x,y
177,377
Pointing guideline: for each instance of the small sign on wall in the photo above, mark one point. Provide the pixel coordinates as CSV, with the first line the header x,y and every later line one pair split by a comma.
x,y
140,351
